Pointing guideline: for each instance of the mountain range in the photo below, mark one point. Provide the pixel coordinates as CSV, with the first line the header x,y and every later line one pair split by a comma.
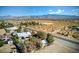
x,y
48,16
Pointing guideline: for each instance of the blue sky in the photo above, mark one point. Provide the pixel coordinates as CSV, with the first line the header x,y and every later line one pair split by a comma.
x,y
38,10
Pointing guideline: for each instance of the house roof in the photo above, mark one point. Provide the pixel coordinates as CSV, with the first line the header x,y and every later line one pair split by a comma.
x,y
11,28
23,34
5,37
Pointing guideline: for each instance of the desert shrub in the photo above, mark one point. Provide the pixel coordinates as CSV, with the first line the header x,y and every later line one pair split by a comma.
x,y
75,35
34,33
28,46
41,34
19,29
49,38
32,39
38,45
2,43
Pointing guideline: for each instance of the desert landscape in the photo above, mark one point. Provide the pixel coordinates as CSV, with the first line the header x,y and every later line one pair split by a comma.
x,y
32,29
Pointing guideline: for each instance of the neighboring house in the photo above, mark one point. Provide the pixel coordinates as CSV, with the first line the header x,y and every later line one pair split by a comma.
x,y
44,43
11,29
6,38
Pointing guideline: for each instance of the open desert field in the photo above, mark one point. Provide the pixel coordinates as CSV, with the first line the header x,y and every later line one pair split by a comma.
x,y
55,24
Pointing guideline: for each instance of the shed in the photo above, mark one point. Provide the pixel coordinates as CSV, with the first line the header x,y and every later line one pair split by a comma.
x,y
11,29
44,43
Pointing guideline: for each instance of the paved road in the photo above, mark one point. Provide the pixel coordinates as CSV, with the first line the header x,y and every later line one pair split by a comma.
x,y
60,46
69,45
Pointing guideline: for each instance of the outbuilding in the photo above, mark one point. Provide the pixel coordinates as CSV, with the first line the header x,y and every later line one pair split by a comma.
x,y
11,29
44,43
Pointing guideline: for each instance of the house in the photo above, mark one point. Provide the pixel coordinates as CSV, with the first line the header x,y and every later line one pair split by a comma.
x,y
44,43
6,38
11,29
23,35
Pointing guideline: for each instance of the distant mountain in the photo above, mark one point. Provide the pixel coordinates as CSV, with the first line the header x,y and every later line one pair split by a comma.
x,y
54,16
48,16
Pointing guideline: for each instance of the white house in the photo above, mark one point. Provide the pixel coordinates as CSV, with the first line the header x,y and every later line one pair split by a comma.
x,y
11,29
23,34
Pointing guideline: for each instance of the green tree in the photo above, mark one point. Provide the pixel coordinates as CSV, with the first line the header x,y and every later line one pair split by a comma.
x,y
2,24
9,25
41,34
49,38
15,39
19,29
32,39
1,42
6,24
33,23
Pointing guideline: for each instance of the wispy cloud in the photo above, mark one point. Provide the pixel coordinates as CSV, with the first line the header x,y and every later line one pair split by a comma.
x,y
50,10
75,12
59,11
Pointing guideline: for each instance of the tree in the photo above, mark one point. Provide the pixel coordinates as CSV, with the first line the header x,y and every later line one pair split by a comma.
x,y
19,29
35,42
15,39
32,39
49,38
6,24
9,25
1,43
41,34
28,46
2,24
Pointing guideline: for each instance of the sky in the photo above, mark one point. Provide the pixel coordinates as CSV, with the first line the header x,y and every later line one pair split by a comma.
x,y
38,10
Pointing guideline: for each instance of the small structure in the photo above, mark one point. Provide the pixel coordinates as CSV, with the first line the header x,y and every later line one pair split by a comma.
x,y
44,43
10,42
11,29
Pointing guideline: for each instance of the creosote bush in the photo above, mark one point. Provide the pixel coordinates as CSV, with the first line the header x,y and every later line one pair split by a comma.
x,y
49,38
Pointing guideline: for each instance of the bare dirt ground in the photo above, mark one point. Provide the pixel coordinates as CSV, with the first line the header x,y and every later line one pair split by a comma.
x,y
2,31
6,48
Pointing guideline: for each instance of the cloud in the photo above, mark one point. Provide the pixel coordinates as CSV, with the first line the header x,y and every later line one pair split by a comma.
x,y
59,11
50,10
75,12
